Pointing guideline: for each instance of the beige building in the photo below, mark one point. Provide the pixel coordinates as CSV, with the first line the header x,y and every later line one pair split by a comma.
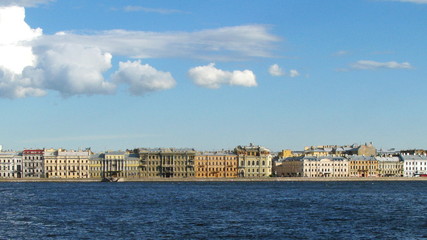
x,y
95,165
61,163
363,166
167,162
288,167
118,164
328,166
254,161
342,151
390,166
215,165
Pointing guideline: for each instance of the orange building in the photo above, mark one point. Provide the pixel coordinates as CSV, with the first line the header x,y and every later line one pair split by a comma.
x,y
363,166
215,165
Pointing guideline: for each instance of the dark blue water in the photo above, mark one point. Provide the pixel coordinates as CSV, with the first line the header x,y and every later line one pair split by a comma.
x,y
232,210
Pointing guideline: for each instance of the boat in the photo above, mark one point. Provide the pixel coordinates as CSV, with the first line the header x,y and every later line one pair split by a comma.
x,y
110,179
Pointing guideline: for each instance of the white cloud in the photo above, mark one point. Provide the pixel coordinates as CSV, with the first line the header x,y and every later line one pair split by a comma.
x,y
143,78
210,77
293,73
275,70
15,54
373,65
215,44
14,86
31,63
23,3
341,53
72,70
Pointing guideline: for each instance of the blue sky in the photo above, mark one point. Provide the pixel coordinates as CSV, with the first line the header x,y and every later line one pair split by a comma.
x,y
212,74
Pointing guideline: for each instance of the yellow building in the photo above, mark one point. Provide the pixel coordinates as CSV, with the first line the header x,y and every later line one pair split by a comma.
x,y
95,165
254,161
285,153
61,163
215,165
288,167
167,162
363,166
390,166
118,164
329,166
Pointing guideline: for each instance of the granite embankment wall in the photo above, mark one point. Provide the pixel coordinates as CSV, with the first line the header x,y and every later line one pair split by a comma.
x,y
281,179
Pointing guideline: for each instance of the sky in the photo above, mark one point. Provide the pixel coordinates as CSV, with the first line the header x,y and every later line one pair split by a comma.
x,y
212,75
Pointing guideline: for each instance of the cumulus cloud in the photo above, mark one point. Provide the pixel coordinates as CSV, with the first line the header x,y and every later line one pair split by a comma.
x,y
211,77
373,65
15,86
23,3
293,73
275,70
142,78
70,63
72,70
15,53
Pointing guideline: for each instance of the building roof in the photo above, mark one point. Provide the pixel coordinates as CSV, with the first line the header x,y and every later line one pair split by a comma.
x,y
361,158
387,159
315,158
413,157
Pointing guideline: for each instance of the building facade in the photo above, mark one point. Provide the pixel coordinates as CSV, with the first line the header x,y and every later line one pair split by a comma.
x,y
167,162
363,166
288,167
326,166
95,165
390,166
10,164
414,165
61,163
215,165
33,163
254,161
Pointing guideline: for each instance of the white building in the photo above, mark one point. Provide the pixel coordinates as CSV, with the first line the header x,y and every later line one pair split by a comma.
x,y
10,165
325,166
414,165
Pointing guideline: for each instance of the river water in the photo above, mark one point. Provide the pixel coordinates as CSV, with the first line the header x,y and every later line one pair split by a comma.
x,y
214,210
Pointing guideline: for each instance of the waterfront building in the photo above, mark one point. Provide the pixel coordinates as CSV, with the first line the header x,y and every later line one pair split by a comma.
x,y
363,166
167,162
61,163
318,151
390,166
366,150
414,152
414,165
254,161
392,152
10,164
95,165
325,166
33,163
215,165
288,167
335,150
113,164
131,167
